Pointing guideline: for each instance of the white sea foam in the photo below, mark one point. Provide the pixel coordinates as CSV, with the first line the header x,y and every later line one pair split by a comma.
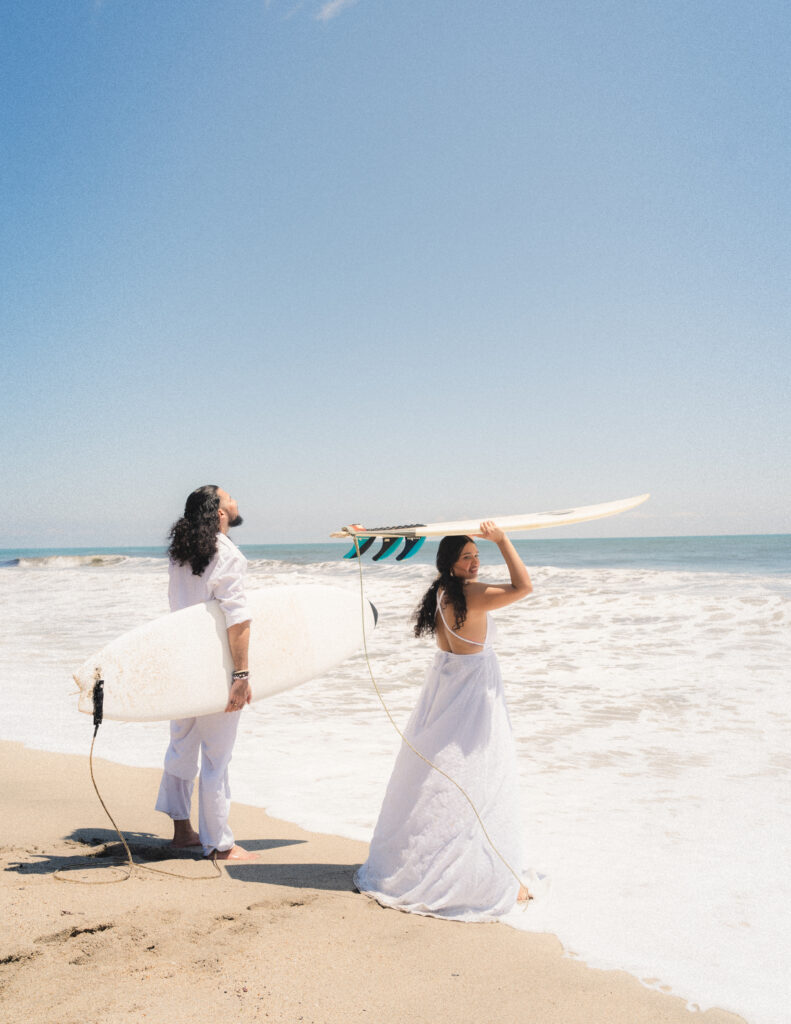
x,y
652,719
67,561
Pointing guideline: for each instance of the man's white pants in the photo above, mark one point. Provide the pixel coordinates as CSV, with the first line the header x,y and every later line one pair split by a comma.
x,y
213,737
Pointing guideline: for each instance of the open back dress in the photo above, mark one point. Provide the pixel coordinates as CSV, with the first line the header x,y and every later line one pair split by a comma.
x,y
429,854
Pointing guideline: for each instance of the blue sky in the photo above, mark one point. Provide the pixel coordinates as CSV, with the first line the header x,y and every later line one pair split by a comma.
x,y
394,261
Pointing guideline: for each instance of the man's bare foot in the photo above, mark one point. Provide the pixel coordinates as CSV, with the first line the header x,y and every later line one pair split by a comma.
x,y
184,835
524,894
235,853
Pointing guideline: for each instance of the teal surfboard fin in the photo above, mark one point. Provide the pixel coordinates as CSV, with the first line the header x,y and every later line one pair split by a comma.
x,y
365,543
389,544
411,547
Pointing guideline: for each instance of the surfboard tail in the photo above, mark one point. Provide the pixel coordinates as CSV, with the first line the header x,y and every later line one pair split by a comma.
x,y
389,546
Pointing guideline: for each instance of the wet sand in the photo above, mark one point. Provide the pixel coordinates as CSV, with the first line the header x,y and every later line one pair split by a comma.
x,y
286,939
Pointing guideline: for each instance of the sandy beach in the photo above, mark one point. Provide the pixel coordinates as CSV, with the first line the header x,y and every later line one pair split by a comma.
x,y
285,939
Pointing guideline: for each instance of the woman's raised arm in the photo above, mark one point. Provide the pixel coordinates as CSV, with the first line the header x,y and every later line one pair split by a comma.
x,y
489,596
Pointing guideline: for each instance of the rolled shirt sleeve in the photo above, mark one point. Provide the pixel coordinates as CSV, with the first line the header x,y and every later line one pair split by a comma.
x,y
226,582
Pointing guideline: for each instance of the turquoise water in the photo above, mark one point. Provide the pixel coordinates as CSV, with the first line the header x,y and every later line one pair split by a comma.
x,y
759,554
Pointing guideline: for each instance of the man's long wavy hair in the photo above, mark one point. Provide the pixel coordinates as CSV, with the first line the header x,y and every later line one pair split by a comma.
x,y
453,588
193,538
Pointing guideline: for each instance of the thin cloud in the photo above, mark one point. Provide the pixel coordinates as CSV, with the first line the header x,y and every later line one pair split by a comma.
x,y
332,8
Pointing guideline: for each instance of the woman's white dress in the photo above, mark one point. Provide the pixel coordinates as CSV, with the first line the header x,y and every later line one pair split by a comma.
x,y
429,854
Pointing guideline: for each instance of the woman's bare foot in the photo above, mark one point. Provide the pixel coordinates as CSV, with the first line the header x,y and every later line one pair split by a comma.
x,y
235,853
184,835
524,894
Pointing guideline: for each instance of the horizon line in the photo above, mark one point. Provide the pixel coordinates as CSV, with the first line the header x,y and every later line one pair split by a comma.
x,y
339,541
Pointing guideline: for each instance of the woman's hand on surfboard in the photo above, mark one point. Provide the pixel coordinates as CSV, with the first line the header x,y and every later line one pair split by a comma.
x,y
490,531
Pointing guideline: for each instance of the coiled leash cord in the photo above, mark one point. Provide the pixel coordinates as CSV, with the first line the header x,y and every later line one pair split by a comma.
x,y
131,866
414,750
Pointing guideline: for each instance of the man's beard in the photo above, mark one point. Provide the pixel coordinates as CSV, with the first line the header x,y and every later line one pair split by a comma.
x,y
237,521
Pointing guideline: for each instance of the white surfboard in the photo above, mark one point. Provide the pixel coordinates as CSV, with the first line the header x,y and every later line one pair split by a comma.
x,y
180,665
511,524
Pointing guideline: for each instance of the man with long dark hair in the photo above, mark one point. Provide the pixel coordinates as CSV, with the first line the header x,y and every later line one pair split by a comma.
x,y
205,565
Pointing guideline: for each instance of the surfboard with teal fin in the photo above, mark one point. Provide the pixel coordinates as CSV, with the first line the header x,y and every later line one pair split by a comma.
x,y
414,534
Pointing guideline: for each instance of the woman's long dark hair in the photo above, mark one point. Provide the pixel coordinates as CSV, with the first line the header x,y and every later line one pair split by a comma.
x,y
453,588
193,538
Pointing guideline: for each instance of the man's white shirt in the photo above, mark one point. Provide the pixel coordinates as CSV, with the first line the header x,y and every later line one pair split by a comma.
x,y
222,580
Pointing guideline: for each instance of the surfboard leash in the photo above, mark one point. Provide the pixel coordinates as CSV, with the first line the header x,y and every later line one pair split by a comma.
x,y
131,865
414,750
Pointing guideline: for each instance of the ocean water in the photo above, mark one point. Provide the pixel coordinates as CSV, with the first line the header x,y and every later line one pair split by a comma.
x,y
648,683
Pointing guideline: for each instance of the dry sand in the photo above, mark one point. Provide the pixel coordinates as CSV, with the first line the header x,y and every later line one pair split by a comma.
x,y
283,940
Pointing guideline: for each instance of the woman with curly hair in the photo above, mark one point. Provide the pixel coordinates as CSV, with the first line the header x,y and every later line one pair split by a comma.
x,y
429,854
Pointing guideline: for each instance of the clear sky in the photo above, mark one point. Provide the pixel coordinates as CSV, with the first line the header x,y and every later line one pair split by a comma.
x,y
394,260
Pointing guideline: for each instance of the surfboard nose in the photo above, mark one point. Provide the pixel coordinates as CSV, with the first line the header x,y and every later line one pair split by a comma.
x,y
375,611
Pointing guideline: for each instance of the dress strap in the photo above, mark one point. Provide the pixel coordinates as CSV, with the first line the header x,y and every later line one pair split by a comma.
x,y
463,639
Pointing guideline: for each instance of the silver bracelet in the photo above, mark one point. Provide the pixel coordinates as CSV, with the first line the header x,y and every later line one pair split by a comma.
x,y
240,674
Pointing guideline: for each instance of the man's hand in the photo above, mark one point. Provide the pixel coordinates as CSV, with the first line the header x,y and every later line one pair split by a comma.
x,y
239,642
240,695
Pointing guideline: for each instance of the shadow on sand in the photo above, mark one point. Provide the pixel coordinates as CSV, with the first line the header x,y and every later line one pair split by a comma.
x,y
327,877
86,848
